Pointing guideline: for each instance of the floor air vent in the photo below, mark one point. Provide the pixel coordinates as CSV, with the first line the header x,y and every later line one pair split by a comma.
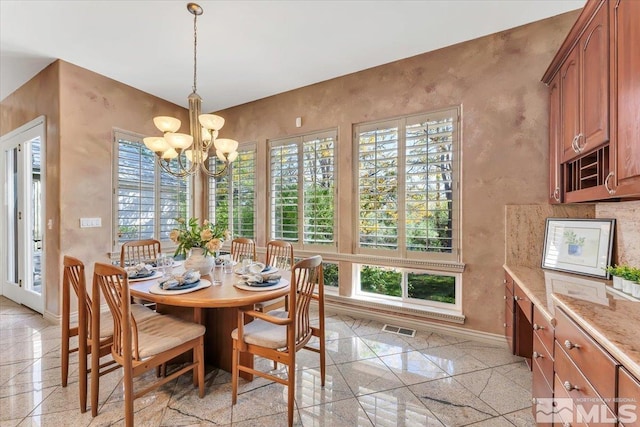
x,y
400,331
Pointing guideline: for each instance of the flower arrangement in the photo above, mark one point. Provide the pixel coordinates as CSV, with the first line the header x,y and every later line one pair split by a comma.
x,y
190,234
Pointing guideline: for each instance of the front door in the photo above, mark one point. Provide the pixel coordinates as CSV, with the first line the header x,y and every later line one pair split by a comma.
x,y
22,171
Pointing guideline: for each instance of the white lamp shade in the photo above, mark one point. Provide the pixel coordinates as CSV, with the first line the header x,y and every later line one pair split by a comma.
x,y
215,134
170,154
221,156
157,144
226,145
211,121
232,156
179,141
189,155
166,123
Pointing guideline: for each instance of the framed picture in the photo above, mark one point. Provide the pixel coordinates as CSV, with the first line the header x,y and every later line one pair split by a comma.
x,y
581,246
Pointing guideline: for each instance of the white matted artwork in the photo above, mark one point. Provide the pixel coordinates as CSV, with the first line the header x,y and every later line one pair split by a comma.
x,y
581,246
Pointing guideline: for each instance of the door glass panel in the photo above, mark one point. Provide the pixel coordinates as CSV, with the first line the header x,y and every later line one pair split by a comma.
x,y
11,162
36,216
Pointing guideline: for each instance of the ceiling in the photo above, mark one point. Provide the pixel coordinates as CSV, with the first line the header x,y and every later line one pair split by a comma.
x,y
247,50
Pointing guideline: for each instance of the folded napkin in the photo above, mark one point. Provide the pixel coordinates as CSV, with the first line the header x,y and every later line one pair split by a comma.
x,y
186,280
257,268
139,270
261,279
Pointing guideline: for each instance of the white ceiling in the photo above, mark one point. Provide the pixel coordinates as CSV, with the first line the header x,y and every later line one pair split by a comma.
x,y
247,50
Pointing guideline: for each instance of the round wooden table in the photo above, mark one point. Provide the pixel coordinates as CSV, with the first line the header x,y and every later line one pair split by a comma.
x,y
215,307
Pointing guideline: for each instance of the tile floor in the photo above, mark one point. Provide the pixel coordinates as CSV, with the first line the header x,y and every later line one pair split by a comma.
x,y
373,378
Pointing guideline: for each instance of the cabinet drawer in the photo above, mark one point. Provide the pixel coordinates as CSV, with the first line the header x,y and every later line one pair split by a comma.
x,y
509,321
508,283
578,387
543,329
589,357
542,358
563,415
540,389
523,302
628,399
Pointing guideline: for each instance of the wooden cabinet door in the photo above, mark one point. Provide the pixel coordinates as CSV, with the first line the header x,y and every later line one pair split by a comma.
x,y
594,73
626,103
555,193
570,105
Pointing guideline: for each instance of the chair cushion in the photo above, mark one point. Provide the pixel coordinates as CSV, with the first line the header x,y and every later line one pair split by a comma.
x,y
265,334
162,332
139,312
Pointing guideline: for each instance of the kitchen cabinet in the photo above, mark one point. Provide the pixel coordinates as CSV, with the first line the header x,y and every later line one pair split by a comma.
x,y
594,108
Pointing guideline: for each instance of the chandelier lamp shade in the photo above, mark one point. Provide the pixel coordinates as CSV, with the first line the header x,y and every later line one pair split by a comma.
x,y
181,154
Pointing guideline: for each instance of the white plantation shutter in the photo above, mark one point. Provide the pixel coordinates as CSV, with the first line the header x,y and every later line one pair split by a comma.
x,y
284,191
146,200
407,186
318,183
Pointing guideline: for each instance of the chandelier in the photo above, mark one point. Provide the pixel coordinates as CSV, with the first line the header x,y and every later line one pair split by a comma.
x,y
180,154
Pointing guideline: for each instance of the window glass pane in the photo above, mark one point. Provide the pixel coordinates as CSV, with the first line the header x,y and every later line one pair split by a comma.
x,y
330,271
219,202
381,280
318,170
429,183
284,192
243,172
432,287
173,203
378,188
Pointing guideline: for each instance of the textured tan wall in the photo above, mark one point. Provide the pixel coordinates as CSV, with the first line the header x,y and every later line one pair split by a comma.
x,y
40,96
504,135
627,238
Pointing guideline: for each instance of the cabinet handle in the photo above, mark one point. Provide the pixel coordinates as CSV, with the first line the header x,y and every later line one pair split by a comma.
x,y
517,298
610,190
566,425
569,387
504,325
556,194
537,327
569,345
574,144
537,355
578,146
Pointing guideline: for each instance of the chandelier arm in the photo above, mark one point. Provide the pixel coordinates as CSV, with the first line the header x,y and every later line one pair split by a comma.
x,y
178,174
224,171
188,170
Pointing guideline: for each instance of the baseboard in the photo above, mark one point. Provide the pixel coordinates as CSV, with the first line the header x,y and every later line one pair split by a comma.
x,y
418,324
50,317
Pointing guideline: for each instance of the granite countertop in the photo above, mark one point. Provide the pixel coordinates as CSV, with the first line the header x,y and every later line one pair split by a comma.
x,y
613,322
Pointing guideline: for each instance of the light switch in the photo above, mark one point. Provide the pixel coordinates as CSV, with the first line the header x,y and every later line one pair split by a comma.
x,y
90,222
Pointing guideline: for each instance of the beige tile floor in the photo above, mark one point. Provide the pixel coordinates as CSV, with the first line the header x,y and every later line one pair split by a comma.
x,y
373,378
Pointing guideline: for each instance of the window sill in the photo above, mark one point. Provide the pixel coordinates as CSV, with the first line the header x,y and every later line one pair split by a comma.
x,y
384,308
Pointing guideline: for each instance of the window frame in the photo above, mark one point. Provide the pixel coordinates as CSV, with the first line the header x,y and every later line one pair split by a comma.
x,y
299,141
166,244
401,124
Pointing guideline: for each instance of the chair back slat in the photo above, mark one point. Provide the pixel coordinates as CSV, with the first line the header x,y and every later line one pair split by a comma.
x,y
138,251
112,281
279,254
306,277
73,277
241,247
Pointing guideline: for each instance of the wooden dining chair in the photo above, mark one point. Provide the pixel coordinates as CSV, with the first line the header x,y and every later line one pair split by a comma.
x,y
279,255
242,247
138,251
279,334
74,277
139,346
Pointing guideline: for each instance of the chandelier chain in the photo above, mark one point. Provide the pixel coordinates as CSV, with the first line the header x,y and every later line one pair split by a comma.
x,y
195,50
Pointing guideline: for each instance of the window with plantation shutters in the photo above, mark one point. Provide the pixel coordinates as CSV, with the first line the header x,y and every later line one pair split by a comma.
x,y
302,182
232,197
408,186
146,200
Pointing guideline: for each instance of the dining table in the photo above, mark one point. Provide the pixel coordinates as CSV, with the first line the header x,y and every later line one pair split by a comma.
x,y
216,307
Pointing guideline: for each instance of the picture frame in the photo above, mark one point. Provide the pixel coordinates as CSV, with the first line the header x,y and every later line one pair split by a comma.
x,y
580,246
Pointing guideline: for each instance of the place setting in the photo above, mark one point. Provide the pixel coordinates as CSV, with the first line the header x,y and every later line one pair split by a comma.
x,y
257,276
176,284
142,271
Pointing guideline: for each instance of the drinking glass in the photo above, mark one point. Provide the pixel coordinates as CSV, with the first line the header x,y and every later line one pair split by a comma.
x,y
167,265
227,266
216,274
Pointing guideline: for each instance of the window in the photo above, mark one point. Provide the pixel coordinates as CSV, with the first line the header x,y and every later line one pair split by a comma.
x,y
232,197
408,186
147,200
418,287
302,170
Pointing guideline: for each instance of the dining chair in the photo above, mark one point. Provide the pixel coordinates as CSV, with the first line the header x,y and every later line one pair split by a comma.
x,y
139,346
74,277
242,247
279,255
138,251
278,335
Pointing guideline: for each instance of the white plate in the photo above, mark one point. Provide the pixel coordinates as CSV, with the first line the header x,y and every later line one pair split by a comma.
x,y
281,284
241,271
155,275
175,265
155,288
